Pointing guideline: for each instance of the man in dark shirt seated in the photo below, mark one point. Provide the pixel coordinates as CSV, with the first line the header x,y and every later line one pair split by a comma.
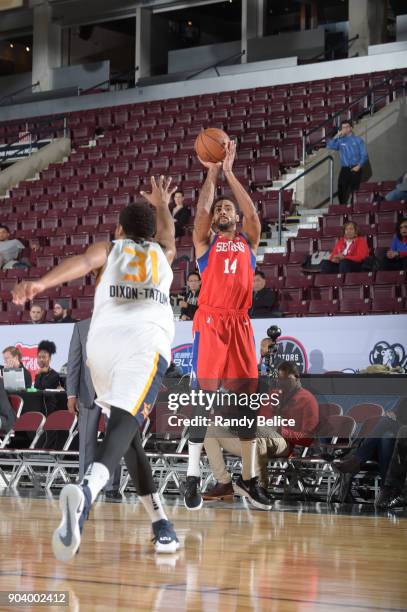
x,y
61,312
264,299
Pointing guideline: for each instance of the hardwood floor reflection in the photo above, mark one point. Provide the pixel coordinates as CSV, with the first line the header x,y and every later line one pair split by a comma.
x,y
232,559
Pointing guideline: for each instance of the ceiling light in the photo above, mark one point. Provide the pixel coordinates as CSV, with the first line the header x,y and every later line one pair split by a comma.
x,y
27,49
11,46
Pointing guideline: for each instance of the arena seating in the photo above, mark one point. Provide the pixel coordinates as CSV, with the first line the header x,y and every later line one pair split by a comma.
x,y
77,202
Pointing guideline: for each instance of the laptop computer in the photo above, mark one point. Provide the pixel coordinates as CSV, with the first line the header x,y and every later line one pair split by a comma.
x,y
14,379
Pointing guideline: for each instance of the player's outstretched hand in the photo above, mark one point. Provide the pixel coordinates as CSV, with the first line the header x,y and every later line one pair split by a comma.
x,y
230,156
161,191
26,291
211,165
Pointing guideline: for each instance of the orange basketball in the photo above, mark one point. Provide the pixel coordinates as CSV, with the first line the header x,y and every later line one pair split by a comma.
x,y
210,145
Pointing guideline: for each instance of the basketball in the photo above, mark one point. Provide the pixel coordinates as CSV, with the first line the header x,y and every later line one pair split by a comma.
x,y
210,145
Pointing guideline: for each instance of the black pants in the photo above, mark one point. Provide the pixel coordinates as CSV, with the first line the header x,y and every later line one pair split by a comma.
x,y
380,444
399,263
397,472
348,182
344,266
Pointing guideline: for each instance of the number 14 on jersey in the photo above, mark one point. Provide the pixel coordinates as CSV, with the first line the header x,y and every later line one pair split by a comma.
x,y
230,268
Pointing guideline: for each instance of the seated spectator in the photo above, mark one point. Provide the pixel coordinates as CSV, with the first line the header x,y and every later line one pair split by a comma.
x,y
46,378
219,439
180,213
14,359
10,249
264,299
298,404
295,403
189,301
396,256
61,312
378,446
349,252
400,192
7,414
36,314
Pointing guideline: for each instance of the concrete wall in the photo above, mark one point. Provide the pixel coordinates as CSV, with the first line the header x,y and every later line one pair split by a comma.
x,y
29,167
401,28
295,74
83,75
10,84
385,135
304,44
183,60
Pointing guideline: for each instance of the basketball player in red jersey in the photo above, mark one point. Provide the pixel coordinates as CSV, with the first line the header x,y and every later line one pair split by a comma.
x,y
224,352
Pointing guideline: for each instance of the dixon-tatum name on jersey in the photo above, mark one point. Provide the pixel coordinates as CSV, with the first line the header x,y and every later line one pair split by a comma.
x,y
137,293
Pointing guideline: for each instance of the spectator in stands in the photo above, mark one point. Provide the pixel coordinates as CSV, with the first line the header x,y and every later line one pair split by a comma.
x,y
14,359
353,154
379,446
189,301
349,252
46,378
264,299
61,312
180,213
396,256
10,249
36,314
298,404
400,191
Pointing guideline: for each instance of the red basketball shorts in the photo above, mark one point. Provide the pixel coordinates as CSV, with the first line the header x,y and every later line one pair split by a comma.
x,y
224,351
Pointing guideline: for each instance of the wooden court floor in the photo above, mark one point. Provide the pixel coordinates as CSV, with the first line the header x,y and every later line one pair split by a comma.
x,y
232,559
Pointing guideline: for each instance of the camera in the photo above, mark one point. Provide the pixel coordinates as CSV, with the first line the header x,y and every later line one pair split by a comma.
x,y
273,332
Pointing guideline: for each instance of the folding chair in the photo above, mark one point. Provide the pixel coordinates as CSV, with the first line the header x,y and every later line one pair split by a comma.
x,y
60,420
17,404
30,422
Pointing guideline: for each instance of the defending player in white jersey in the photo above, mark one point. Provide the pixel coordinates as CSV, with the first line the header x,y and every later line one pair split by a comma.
x,y
129,347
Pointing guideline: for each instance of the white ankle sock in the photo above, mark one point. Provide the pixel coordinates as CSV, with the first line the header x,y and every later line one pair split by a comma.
x,y
95,478
249,448
152,504
194,457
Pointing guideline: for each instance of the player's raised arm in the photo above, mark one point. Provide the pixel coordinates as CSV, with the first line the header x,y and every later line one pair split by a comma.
x,y
70,269
251,221
160,198
203,216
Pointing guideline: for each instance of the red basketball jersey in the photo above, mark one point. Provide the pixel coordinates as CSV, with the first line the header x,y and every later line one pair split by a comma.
x,y
227,270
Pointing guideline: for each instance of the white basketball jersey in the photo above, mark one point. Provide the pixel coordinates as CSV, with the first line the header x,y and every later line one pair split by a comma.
x,y
134,288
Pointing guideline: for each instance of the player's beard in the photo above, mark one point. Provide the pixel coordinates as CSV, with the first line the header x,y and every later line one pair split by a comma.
x,y
224,227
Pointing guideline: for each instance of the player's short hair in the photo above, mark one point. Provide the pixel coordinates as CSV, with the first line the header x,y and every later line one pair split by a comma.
x,y
194,273
37,306
348,122
289,368
4,227
138,221
48,346
220,199
178,191
260,273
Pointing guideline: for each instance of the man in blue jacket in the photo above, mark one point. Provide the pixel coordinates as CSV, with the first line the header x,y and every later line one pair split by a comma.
x,y
353,154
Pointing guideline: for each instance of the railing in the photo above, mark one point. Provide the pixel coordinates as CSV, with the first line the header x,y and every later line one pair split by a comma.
x,y
108,81
14,148
338,45
235,56
328,158
18,91
334,116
